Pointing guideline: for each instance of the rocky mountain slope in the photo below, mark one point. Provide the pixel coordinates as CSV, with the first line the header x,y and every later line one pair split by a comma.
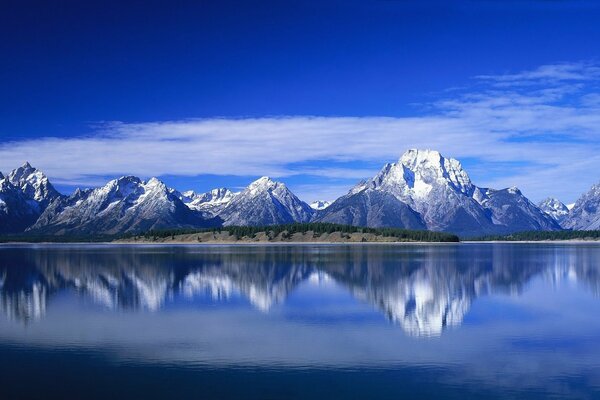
x,y
585,215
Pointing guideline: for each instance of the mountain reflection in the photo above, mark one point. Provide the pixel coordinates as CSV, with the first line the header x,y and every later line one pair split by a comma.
x,y
423,289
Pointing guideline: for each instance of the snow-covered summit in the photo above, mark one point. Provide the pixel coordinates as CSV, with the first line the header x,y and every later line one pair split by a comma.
x,y
320,205
418,173
211,202
554,208
34,184
265,202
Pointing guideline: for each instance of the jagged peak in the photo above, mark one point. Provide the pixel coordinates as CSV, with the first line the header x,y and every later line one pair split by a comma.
x,y
320,204
413,155
154,181
514,190
552,201
415,159
418,171
1,176
125,179
23,172
264,182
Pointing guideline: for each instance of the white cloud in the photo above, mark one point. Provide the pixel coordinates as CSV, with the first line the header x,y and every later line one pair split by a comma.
x,y
548,119
579,71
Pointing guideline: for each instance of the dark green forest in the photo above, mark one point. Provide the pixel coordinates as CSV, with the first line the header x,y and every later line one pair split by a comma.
x,y
545,235
317,228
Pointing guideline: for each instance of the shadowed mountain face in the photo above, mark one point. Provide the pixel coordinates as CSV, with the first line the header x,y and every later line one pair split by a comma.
x,y
585,214
422,289
24,194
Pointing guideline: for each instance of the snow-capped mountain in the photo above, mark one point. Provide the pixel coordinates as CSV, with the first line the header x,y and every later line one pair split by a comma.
x,y
17,212
585,214
210,203
554,208
265,202
441,193
24,195
34,184
320,205
127,204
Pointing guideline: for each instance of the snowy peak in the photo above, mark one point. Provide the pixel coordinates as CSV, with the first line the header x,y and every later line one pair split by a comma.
x,y
264,183
210,203
417,174
216,196
1,176
554,208
265,202
430,167
320,205
34,184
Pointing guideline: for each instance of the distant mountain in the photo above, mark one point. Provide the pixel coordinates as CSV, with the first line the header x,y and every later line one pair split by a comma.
x,y
265,202
554,208
210,203
585,214
123,205
24,195
437,191
319,205
511,211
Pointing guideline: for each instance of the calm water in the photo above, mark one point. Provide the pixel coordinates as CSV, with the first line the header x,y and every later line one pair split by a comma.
x,y
313,321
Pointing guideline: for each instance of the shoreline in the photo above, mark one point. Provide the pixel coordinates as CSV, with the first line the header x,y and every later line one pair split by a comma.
x,y
297,243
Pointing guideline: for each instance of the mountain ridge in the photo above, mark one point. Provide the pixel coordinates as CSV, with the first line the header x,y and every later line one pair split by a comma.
x,y
422,190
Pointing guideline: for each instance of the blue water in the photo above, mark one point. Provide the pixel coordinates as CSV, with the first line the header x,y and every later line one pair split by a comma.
x,y
369,321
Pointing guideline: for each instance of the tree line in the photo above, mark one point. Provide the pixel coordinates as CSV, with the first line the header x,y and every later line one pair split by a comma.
x,y
318,228
545,235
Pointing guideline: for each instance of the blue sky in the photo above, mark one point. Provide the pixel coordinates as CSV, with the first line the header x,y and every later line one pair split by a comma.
x,y
317,94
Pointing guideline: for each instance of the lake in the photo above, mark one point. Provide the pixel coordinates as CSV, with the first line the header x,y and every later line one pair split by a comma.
x,y
441,321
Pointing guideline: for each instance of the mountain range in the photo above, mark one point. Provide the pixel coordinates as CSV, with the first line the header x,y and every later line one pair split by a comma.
x,y
422,190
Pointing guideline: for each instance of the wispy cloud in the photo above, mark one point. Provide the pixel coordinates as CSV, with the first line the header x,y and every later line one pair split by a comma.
x,y
580,71
544,122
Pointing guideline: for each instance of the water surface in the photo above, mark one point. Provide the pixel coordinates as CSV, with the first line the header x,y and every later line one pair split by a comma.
x,y
306,321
